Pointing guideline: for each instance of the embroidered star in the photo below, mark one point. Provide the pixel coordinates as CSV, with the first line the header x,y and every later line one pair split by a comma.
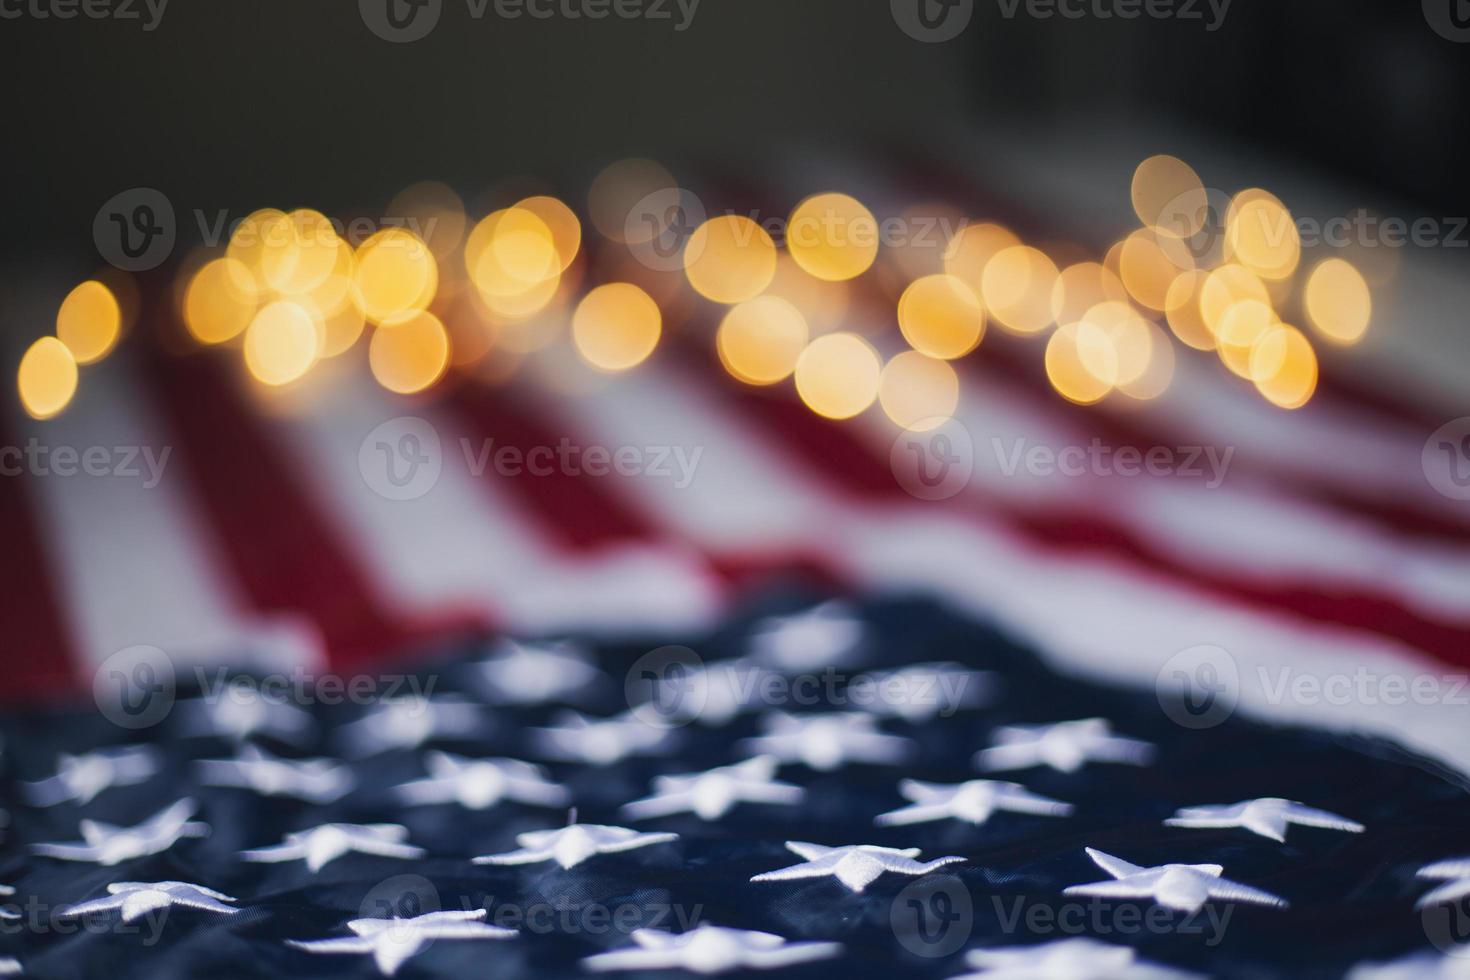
x,y
570,846
1077,958
535,673
829,741
241,711
715,694
314,780
136,899
710,795
1268,816
710,949
1066,746
326,843
1183,887
79,778
921,692
827,635
392,942
408,722
974,802
600,741
481,783
104,843
857,866
1455,874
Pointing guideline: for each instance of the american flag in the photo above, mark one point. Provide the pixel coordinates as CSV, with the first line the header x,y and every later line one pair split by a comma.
x,y
355,685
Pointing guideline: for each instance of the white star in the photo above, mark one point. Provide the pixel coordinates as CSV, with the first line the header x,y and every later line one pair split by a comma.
x,y
824,636
314,780
1455,965
1066,746
138,898
392,942
241,711
923,692
481,783
710,795
1268,816
710,949
326,843
715,694
857,865
827,742
104,843
600,741
1455,874
974,802
534,673
1183,887
79,778
408,722
1078,958
570,846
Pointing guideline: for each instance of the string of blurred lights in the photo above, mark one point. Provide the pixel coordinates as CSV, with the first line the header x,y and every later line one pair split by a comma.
x,y
434,294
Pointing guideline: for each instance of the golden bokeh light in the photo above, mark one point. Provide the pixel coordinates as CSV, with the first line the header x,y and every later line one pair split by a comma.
x,y
1065,368
618,190
1016,288
1243,324
1158,373
918,392
1114,343
1337,301
837,376
1261,235
220,301
409,355
282,342
833,237
730,259
248,243
47,378
1223,288
341,329
973,248
1283,367
512,253
1148,264
941,316
1182,306
1080,287
561,222
931,228
299,250
616,326
822,304
760,340
1168,196
396,276
89,321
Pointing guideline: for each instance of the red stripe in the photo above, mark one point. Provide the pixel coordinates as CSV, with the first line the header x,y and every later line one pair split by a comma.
x,y
855,468
41,658
280,544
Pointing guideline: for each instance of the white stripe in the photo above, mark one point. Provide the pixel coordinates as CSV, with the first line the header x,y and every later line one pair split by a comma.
x,y
466,542
1097,618
134,559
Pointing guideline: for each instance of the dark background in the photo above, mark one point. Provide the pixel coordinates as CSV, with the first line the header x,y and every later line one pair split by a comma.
x,y
235,104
